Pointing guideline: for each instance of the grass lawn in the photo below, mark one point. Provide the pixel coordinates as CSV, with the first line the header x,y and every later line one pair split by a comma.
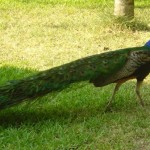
x,y
39,34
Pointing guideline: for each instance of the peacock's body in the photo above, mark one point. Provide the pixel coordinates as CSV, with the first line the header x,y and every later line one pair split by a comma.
x,y
101,69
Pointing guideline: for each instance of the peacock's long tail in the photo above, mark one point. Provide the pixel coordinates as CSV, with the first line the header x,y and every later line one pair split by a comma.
x,y
100,69
54,79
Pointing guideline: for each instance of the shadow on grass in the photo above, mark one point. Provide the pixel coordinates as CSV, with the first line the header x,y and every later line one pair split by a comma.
x,y
16,117
30,117
132,24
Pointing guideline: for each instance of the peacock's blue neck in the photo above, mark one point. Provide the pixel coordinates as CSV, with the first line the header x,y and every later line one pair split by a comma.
x,y
148,43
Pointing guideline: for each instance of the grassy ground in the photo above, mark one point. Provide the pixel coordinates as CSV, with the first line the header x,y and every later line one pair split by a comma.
x,y
40,34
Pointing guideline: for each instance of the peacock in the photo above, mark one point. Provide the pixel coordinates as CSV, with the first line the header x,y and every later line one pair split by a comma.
x,y
100,69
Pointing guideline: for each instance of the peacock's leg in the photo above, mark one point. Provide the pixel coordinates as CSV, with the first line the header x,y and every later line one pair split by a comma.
x,y
113,95
138,86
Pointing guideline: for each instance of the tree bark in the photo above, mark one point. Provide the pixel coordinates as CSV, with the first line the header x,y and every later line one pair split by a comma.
x,y
124,8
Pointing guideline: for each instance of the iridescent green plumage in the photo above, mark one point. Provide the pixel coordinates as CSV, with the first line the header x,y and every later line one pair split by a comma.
x,y
100,69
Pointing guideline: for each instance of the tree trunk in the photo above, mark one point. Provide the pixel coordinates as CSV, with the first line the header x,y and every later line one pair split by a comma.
x,y
124,8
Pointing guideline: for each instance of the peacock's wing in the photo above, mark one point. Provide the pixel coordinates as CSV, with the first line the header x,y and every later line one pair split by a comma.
x,y
114,66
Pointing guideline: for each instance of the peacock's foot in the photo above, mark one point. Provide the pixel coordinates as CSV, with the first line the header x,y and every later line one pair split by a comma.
x,y
108,108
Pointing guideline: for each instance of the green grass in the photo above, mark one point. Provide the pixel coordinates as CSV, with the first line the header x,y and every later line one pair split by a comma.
x,y
40,34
